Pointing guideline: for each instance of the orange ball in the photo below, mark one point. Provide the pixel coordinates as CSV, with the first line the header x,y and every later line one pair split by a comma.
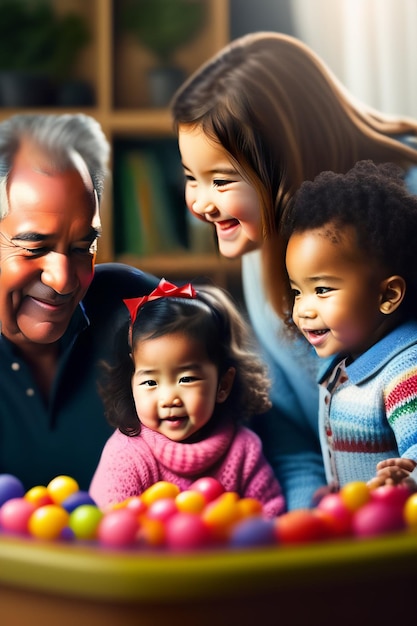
x,y
39,496
221,514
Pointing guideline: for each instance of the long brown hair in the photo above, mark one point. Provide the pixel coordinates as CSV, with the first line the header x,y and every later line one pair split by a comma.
x,y
284,117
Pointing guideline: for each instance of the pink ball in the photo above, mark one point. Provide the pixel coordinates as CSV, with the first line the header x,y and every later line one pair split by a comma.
x,y
136,505
15,514
186,531
392,495
210,487
162,509
377,518
118,528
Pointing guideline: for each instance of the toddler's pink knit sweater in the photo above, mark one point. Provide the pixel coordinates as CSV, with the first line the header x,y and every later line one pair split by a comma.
x,y
231,454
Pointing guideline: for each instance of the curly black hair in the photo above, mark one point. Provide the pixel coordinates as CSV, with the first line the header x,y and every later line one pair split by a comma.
x,y
374,200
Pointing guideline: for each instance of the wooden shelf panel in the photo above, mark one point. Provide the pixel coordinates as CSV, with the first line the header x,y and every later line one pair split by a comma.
x,y
183,264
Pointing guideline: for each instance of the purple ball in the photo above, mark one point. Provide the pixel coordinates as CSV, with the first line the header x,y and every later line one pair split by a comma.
x,y
253,531
10,487
76,499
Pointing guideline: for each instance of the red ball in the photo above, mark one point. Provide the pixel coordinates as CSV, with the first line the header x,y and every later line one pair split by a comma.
x,y
333,505
300,526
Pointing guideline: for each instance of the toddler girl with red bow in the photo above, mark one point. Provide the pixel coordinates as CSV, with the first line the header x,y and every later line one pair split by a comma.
x,y
177,396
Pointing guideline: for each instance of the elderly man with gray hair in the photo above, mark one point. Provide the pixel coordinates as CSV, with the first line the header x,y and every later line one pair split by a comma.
x,y
58,312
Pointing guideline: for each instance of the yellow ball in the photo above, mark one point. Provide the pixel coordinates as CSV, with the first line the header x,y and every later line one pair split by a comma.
x,y
161,489
48,522
190,501
61,487
410,511
354,495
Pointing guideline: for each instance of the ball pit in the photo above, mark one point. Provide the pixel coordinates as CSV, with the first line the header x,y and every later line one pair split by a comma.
x,y
204,516
203,556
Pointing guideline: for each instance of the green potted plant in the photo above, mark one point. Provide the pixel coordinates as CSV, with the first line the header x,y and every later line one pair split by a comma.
x,y
37,51
164,27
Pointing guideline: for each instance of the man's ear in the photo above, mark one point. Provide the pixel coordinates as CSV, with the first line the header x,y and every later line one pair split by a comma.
x,y
392,294
225,385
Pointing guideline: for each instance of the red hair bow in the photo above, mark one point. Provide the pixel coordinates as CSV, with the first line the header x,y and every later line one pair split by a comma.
x,y
165,289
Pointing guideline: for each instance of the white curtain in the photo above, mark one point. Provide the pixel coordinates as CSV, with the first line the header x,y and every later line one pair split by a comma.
x,y
371,45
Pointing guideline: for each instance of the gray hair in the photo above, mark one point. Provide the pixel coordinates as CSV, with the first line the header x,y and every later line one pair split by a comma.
x,y
58,136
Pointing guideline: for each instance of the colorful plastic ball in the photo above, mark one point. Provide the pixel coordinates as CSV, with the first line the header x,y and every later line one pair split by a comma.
x,y
392,495
10,487
333,528
76,499
151,532
67,534
410,511
186,531
355,494
15,514
160,489
61,487
251,532
136,505
39,495
300,526
333,505
189,501
84,521
162,509
377,518
118,528
249,507
47,522
210,487
221,514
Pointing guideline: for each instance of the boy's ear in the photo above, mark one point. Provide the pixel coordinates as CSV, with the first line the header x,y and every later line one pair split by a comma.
x,y
225,385
392,294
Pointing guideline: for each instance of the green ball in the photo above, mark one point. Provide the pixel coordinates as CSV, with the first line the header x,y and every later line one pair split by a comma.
x,y
84,521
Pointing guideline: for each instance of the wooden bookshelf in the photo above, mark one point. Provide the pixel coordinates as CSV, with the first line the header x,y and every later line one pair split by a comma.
x,y
115,65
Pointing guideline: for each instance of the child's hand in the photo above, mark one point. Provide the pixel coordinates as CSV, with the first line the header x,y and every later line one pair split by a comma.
x,y
393,472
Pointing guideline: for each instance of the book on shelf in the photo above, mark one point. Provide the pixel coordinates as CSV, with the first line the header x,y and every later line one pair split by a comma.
x,y
146,216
